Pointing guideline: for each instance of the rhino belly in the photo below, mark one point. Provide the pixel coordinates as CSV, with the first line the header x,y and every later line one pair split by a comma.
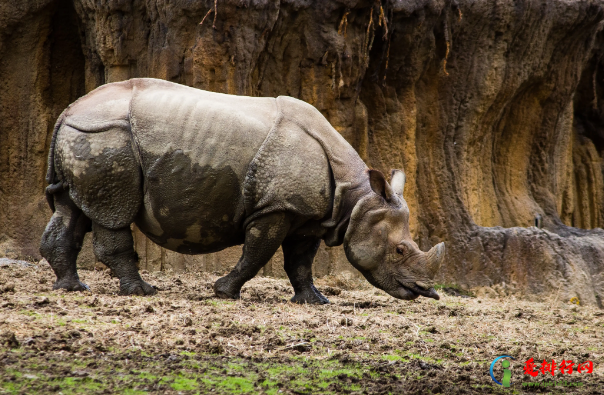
x,y
191,208
195,148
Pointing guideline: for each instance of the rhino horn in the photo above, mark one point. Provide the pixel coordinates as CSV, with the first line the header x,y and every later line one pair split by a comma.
x,y
434,259
397,181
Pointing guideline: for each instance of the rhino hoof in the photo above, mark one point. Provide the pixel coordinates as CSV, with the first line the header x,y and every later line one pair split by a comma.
x,y
310,296
223,290
71,285
139,288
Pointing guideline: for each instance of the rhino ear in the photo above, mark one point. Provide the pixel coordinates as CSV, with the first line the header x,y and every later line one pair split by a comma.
x,y
397,181
379,185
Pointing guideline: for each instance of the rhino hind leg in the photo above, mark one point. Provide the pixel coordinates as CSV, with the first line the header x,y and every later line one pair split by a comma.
x,y
298,256
115,248
62,240
263,237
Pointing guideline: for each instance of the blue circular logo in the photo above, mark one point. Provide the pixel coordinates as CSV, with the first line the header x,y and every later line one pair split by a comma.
x,y
493,364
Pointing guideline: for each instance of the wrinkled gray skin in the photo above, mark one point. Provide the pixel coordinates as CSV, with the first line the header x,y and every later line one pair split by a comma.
x,y
199,171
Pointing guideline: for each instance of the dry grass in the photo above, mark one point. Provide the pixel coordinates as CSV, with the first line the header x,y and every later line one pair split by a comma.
x,y
185,341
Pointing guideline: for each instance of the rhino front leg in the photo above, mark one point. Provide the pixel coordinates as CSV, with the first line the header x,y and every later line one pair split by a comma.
x,y
263,237
115,248
62,241
298,256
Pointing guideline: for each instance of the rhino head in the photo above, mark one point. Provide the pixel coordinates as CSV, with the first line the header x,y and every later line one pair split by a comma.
x,y
378,242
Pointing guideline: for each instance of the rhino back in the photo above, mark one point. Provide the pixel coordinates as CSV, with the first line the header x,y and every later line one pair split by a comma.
x,y
195,148
105,107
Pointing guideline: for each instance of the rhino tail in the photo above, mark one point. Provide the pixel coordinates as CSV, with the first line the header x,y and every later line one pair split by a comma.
x,y
54,185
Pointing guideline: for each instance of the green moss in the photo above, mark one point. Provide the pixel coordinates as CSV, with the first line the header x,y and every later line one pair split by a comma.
x,y
236,384
129,391
391,357
199,373
184,384
147,376
29,313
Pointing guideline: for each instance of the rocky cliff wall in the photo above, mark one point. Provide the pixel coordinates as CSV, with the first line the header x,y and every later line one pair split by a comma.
x,y
493,108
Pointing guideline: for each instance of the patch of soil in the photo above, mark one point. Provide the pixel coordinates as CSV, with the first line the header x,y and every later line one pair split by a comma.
x,y
184,340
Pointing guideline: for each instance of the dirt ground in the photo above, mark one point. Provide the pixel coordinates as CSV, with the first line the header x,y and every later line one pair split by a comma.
x,y
184,340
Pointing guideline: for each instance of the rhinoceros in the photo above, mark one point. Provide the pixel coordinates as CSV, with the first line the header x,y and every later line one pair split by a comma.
x,y
198,172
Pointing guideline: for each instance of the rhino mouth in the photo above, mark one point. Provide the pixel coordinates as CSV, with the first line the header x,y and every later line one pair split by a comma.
x,y
413,291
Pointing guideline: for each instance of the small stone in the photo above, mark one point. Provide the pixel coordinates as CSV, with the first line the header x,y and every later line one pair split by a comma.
x,y
172,358
42,301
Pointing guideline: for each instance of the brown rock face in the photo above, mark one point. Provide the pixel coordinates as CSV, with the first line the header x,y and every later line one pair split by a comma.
x,y
494,110
41,71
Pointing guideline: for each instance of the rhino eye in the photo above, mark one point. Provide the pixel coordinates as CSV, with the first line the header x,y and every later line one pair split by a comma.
x,y
400,250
